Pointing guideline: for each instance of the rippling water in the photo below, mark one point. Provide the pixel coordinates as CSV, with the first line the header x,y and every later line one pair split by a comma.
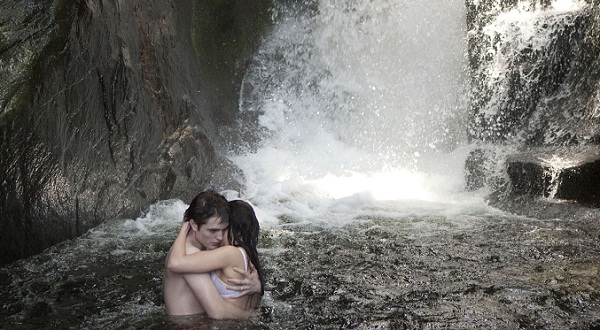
x,y
444,268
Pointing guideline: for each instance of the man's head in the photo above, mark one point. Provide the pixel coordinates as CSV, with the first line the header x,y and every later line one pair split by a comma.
x,y
208,215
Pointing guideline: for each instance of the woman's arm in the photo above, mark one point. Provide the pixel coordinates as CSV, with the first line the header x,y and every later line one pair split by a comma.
x,y
212,303
253,302
178,248
206,261
249,285
199,262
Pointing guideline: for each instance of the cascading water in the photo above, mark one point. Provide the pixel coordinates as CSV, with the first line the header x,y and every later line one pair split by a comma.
x,y
359,98
351,146
526,56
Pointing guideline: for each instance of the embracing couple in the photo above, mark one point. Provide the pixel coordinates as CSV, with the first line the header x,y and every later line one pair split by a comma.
x,y
212,267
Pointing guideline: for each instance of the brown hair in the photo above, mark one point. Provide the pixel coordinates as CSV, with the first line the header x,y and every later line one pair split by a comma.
x,y
206,205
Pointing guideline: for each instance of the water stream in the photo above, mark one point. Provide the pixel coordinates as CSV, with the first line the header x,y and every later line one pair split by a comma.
x,y
351,148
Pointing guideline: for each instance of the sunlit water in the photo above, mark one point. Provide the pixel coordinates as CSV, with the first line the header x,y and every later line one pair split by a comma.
x,y
355,167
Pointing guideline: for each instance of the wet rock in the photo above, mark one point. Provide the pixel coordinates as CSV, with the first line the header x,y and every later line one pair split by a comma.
x,y
545,94
484,167
544,98
571,174
107,107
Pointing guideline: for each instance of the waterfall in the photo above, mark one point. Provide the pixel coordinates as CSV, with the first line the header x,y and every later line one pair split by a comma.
x,y
525,62
352,97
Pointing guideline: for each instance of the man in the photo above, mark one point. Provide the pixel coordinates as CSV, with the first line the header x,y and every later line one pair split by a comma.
x,y
191,293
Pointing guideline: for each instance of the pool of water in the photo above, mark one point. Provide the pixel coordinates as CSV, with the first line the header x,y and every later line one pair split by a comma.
x,y
477,269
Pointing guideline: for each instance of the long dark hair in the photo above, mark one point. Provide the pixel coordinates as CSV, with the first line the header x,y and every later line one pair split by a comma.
x,y
243,232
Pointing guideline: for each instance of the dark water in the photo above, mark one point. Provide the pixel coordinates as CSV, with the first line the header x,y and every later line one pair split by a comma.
x,y
504,272
482,269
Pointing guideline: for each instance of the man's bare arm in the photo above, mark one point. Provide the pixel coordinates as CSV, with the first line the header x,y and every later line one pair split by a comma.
x,y
178,251
214,305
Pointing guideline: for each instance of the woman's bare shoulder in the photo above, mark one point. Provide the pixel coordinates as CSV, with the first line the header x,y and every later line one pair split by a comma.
x,y
236,258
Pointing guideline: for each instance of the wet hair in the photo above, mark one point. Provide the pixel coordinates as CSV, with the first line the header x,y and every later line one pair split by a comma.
x,y
243,232
206,205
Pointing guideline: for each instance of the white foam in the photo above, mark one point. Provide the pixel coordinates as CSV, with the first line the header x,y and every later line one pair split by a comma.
x,y
363,112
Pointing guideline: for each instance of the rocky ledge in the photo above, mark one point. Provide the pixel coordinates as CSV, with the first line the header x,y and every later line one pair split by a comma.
x,y
564,174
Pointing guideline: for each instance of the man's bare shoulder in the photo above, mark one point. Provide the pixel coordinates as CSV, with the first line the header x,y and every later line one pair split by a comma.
x,y
229,249
191,249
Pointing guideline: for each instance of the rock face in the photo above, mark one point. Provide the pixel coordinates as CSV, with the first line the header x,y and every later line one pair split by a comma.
x,y
535,70
105,109
535,73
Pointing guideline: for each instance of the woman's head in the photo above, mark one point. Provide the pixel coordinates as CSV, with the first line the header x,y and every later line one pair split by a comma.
x,y
243,224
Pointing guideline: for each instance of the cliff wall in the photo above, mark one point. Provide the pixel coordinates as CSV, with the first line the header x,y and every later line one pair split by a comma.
x,y
108,106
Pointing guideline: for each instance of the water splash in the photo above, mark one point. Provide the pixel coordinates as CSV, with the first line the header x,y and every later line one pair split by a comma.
x,y
357,98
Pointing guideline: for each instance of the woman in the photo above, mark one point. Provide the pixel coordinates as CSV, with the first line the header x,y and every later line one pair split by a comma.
x,y
243,231
196,250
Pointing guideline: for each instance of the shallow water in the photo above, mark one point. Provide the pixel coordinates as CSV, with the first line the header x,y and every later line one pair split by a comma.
x,y
484,269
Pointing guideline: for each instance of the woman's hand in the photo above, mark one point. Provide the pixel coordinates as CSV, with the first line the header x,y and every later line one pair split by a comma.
x,y
249,285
